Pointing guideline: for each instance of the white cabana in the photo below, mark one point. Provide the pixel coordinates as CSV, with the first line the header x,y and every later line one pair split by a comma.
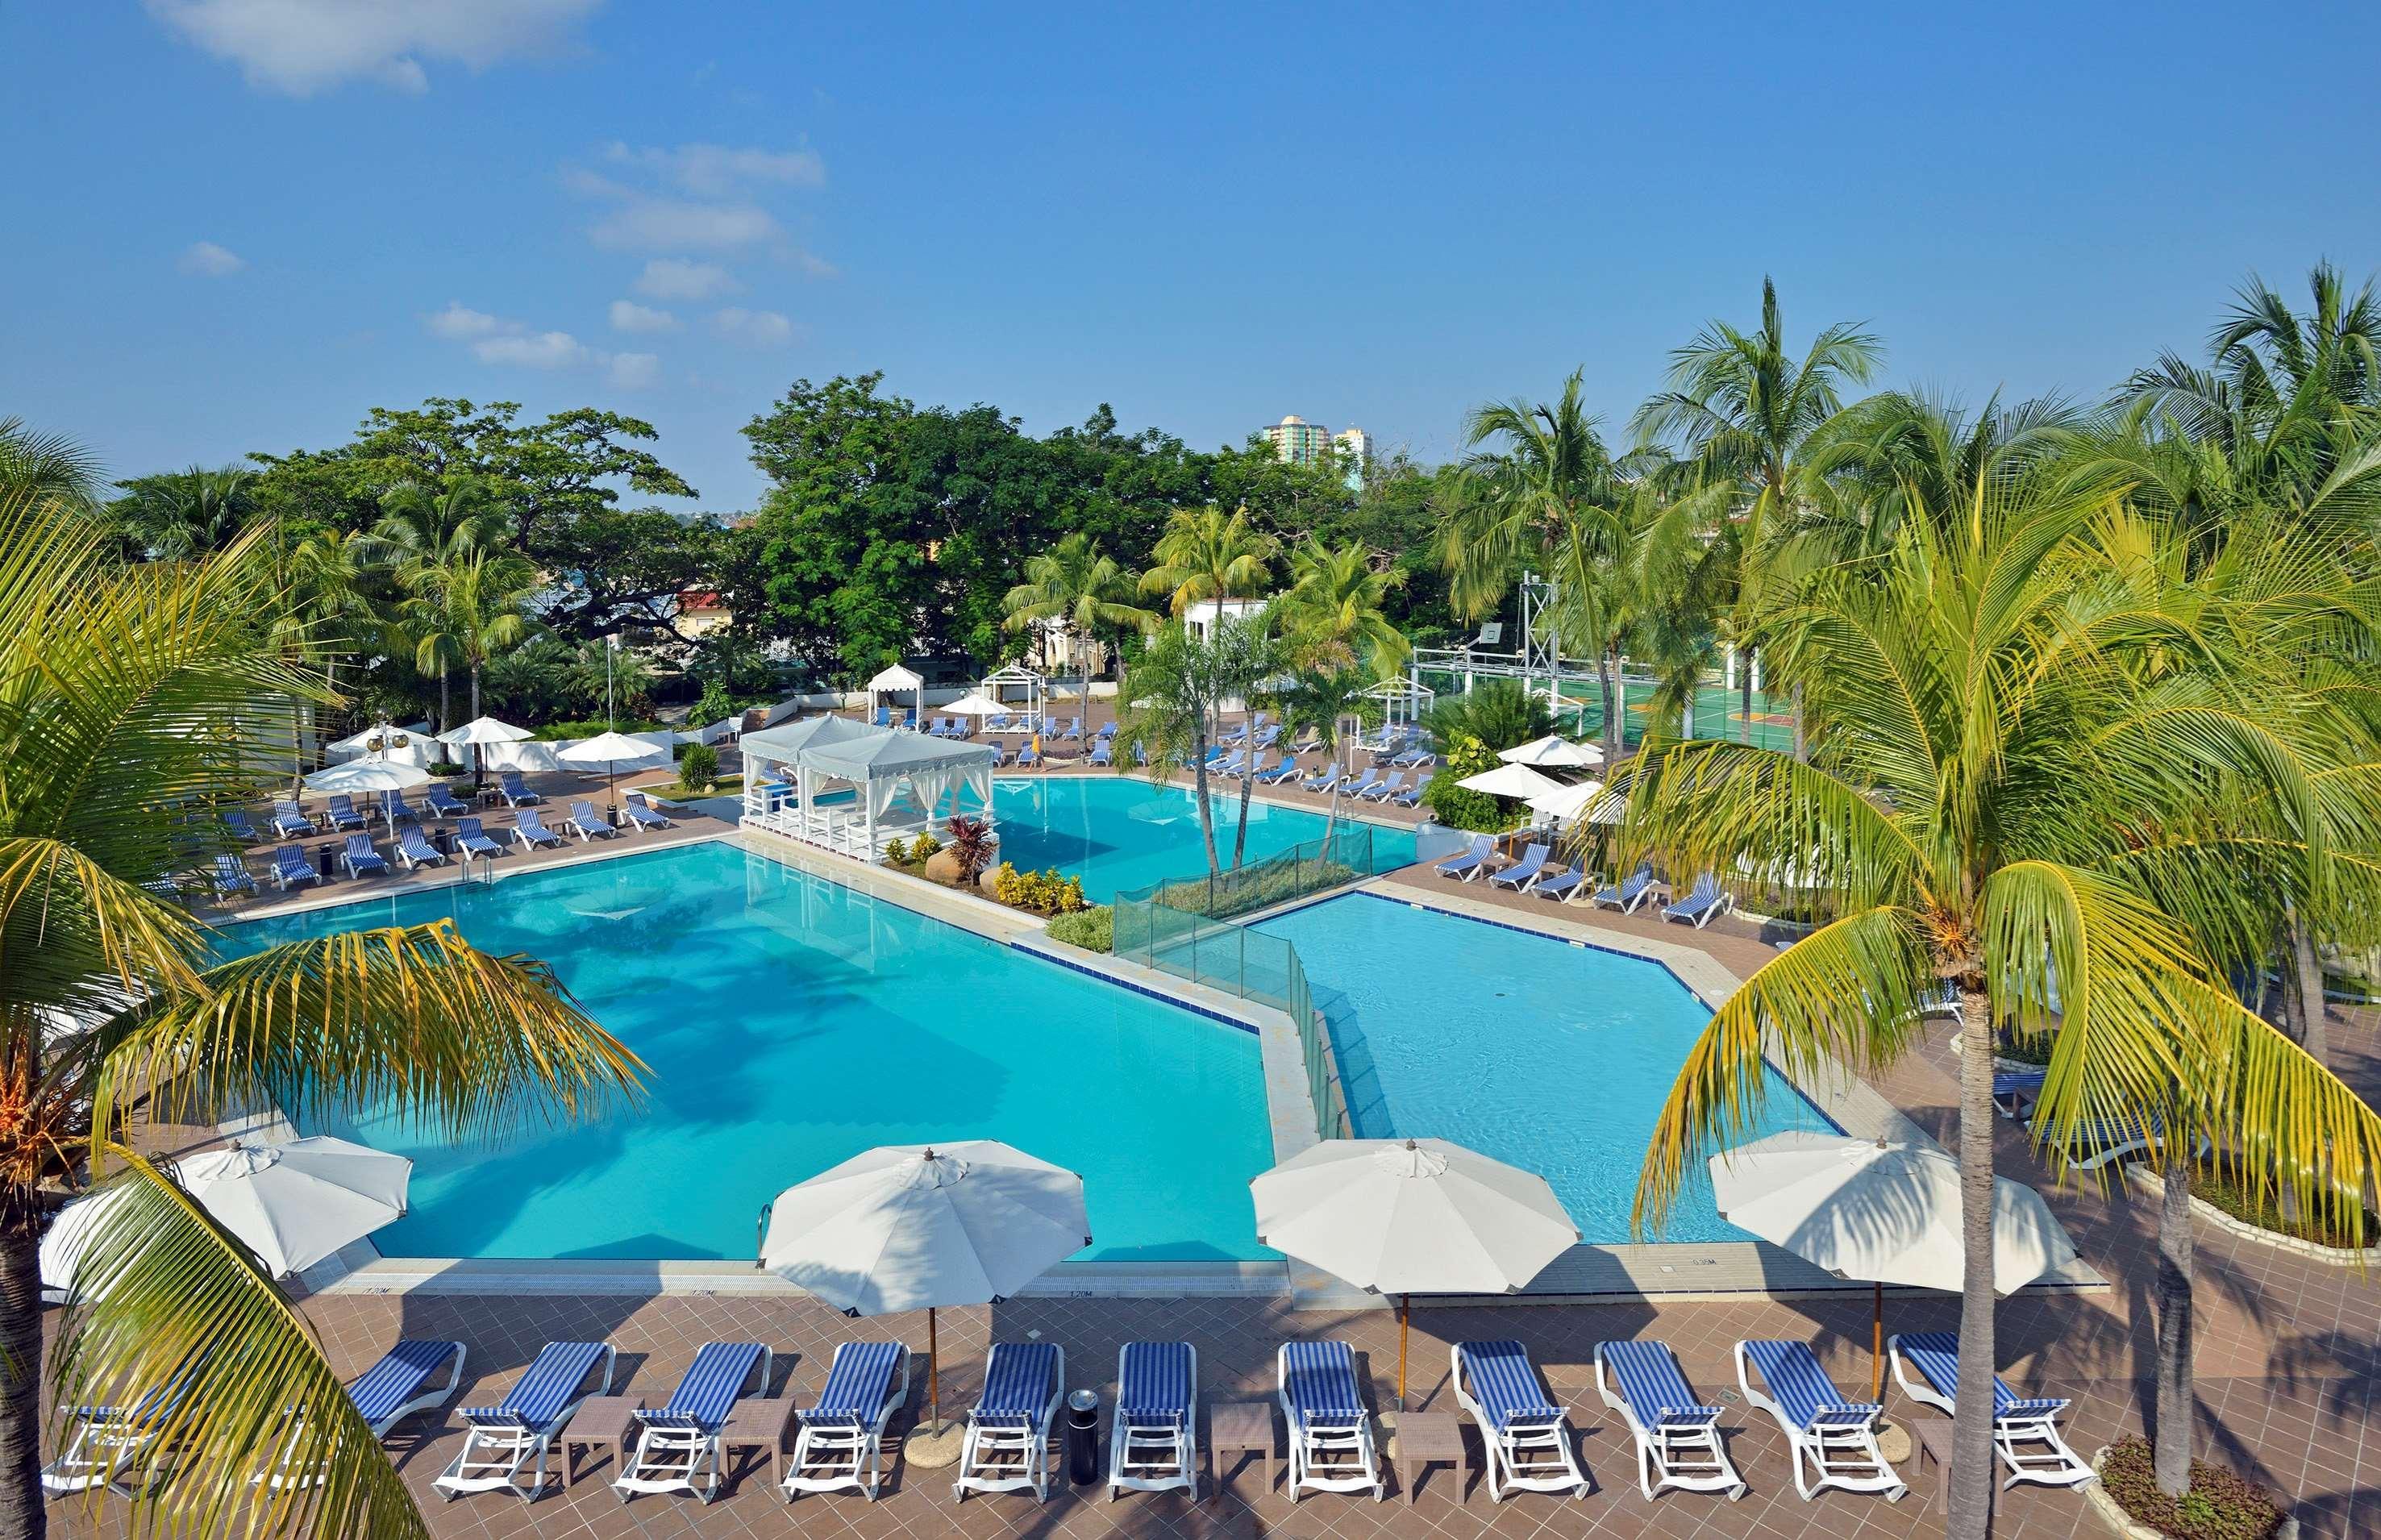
x,y
892,770
1403,703
896,681
1017,687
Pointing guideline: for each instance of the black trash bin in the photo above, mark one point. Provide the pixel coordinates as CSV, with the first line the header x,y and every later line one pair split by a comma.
x,y
1084,1437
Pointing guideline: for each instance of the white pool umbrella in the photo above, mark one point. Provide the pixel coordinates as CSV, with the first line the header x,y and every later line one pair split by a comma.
x,y
1881,1212
610,749
292,1205
1411,1215
1518,781
977,704
1554,751
918,1227
477,733
368,776
1585,798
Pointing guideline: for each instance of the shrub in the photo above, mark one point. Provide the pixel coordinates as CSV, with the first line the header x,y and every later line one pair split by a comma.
x,y
1459,807
1093,929
2220,1184
897,853
447,769
715,705
1043,892
925,846
1499,713
2219,1506
971,842
698,768
591,727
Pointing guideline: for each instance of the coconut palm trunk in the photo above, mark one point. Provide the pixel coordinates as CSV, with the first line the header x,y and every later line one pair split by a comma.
x,y
1206,808
2171,1449
1608,676
21,1509
2302,1007
1972,1464
1241,834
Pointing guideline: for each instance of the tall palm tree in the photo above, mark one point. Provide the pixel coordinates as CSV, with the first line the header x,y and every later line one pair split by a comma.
x,y
1332,612
1082,587
115,685
326,583
1744,407
1325,702
1168,712
1207,554
1987,768
35,464
1244,657
464,611
421,526
187,513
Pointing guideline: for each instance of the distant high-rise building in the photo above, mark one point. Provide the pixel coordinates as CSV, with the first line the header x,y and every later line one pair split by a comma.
x,y
1296,440
1355,448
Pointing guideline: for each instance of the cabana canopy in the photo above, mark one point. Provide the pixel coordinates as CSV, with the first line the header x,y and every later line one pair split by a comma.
x,y
895,678
881,762
1015,677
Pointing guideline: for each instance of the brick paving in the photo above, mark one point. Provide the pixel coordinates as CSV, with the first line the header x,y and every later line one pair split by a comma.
x,y
2289,1362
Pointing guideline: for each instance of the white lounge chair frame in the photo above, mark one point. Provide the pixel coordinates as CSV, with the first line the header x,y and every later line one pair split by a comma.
x,y
2031,1446
1840,1454
1154,1456
663,1458
842,1457
1329,1459
103,1449
1532,1456
432,1398
492,1456
998,1458
1687,1455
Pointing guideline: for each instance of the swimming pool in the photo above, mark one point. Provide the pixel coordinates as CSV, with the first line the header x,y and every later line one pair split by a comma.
x,y
790,1023
1118,832
1552,1056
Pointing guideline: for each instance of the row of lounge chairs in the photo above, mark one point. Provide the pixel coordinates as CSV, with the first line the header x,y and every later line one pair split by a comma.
x,y
340,812
1558,884
292,868
1152,1444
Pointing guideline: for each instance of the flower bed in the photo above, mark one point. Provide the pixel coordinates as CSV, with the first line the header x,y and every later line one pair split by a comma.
x,y
2220,1200
2219,1506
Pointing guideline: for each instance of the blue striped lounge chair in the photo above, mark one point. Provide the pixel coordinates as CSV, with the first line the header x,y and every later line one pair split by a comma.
x,y
1330,1434
359,857
1258,768
1835,1437
396,810
439,801
1413,755
1108,729
1631,891
997,723
2025,1429
414,848
1555,887
586,823
642,815
1528,1440
341,813
1028,755
1153,1437
999,754
1282,774
1140,756
1522,872
1229,764
1072,732
1678,1441
2093,1142
1381,791
241,829
1322,780
1101,753
1007,1445
386,1394
119,1447
1697,908
671,1446
884,716
500,1439
472,840
515,790
531,830
291,869
1267,738
1359,787
842,1439
1468,863
231,876
1411,796
288,819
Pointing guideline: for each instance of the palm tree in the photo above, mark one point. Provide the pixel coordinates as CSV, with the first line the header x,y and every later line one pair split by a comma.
x,y
1168,712
35,464
1744,407
1243,657
119,681
1081,587
463,612
1987,770
187,513
1332,614
1325,702
325,587
1207,554
421,526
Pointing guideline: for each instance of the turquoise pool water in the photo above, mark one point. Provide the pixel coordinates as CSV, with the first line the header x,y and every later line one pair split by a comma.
x,y
789,1023
1122,832
1549,1056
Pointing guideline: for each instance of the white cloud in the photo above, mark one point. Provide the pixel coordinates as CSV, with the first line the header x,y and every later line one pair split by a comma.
x,y
533,350
635,371
303,47
718,170
210,261
456,322
812,264
759,328
646,224
676,278
630,316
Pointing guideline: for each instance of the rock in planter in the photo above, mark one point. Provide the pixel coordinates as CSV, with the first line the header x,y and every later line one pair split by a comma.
x,y
944,867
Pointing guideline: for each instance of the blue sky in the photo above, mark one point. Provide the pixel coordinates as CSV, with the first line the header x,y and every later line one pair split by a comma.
x,y
238,223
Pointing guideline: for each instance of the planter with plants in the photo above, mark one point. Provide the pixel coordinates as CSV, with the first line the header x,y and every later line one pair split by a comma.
x,y
2219,1504
2219,1197
1043,892
698,768
1093,929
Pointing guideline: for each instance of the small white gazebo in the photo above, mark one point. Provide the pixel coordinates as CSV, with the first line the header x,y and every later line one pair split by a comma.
x,y
932,776
1403,703
896,681
1015,677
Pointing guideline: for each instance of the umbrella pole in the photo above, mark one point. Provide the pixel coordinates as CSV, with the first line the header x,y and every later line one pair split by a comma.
x,y
1405,1320
934,1373
1876,1348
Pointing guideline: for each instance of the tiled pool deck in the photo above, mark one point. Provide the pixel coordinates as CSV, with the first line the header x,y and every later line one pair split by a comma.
x,y
2288,1360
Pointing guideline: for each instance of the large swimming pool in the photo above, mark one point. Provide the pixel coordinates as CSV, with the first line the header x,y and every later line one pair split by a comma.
x,y
1118,832
790,1023
1550,1056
